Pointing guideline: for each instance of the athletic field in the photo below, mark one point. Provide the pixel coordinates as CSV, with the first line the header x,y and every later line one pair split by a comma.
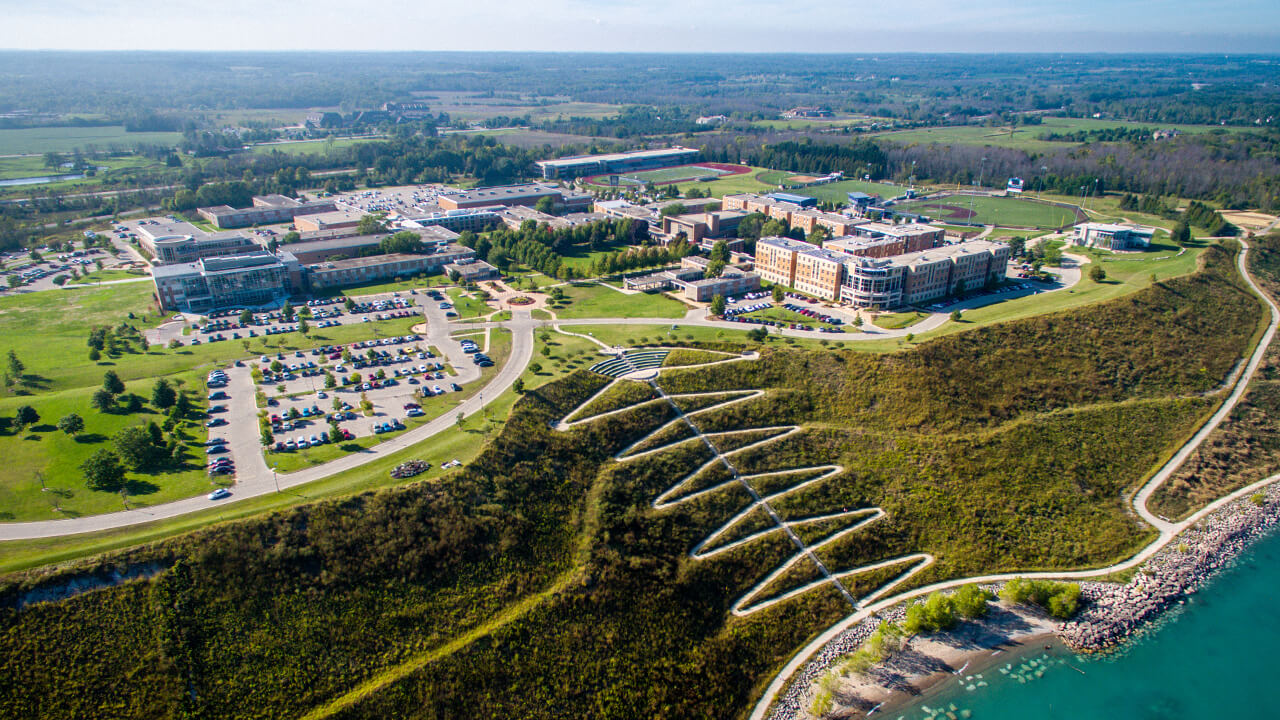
x,y
667,176
986,210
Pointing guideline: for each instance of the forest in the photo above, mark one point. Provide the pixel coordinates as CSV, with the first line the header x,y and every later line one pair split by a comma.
x,y
539,581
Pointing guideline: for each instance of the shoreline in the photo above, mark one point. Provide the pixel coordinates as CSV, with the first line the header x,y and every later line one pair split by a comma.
x,y
1110,614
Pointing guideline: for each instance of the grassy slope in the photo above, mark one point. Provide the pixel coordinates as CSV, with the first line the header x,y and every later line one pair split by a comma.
x,y
626,624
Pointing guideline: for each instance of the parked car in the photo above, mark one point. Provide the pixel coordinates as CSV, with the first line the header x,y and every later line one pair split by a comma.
x,y
219,494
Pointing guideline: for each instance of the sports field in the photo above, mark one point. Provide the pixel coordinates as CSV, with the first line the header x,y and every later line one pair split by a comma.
x,y
986,210
667,176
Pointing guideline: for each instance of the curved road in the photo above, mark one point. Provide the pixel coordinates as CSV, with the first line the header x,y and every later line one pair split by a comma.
x,y
1168,530
255,478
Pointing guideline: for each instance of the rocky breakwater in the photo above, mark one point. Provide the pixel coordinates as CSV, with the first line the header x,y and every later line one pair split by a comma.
x,y
1112,612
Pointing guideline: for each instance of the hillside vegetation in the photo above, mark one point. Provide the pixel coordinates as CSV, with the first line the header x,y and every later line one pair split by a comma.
x,y
540,582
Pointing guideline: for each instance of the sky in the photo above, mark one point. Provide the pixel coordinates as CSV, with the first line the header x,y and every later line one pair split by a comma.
x,y
1181,26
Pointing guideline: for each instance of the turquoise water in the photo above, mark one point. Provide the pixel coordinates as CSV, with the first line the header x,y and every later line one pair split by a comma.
x,y
1216,658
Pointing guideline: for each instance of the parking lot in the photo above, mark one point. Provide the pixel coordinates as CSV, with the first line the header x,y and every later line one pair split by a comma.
x,y
331,312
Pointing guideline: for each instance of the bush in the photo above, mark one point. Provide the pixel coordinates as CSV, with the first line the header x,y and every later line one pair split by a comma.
x,y
936,613
970,602
1060,599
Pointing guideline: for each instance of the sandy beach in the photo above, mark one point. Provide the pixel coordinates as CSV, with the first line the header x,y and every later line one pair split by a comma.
x,y
928,661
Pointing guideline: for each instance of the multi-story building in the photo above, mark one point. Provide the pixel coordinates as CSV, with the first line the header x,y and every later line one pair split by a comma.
x,y
834,223
580,165
266,209
914,236
818,273
334,220
377,268
776,259
921,277
475,219
510,195
253,279
698,226
1113,236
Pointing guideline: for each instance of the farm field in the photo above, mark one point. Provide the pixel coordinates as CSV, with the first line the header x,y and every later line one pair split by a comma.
x,y
1026,137
670,175
36,141
1018,212
310,147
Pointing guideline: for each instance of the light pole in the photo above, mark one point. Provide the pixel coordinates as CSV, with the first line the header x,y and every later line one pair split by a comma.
x,y
275,478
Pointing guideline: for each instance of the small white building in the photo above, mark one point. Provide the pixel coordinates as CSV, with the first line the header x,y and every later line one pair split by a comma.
x,y
1113,236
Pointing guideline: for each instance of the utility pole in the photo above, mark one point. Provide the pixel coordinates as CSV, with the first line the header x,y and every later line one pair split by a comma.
x,y
274,478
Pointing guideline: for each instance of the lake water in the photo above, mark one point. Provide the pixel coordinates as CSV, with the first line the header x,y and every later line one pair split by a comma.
x,y
39,180
1214,658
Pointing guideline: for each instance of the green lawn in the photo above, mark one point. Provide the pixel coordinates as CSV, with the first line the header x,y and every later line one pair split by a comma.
x,y
310,147
467,307
1022,212
98,276
592,301
567,354
35,141
734,184
894,321
581,257
678,173
43,451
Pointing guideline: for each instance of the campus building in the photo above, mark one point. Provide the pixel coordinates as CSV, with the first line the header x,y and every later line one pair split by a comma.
x,y
776,259
332,220
922,277
339,248
699,226
253,279
913,236
623,162
475,219
267,209
472,271
690,279
834,223
378,268
510,195
818,273
1113,236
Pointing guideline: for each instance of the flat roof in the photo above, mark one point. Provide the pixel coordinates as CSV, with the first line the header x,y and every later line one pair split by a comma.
x,y
374,260
786,243
611,157
259,258
506,191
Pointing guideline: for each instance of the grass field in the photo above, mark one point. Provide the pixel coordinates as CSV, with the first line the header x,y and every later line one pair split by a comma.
x,y
466,306
733,184
311,147
893,321
36,141
464,443
98,276
588,300
1027,137
43,452
1021,212
784,315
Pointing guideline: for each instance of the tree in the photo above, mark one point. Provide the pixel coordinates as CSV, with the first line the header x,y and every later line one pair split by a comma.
x,y
329,381
182,407
518,385
402,242
1181,234
303,327
103,471
132,402
134,447
71,424
955,316
111,382
163,395
545,205
720,251
1017,246
16,367
371,225
286,312
102,401
715,269
535,368
174,344
1096,273
246,316
757,334
717,304
26,416
459,419
779,294
349,304
14,281
276,366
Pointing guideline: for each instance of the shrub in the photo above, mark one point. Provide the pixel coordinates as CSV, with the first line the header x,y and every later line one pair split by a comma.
x,y
1060,599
